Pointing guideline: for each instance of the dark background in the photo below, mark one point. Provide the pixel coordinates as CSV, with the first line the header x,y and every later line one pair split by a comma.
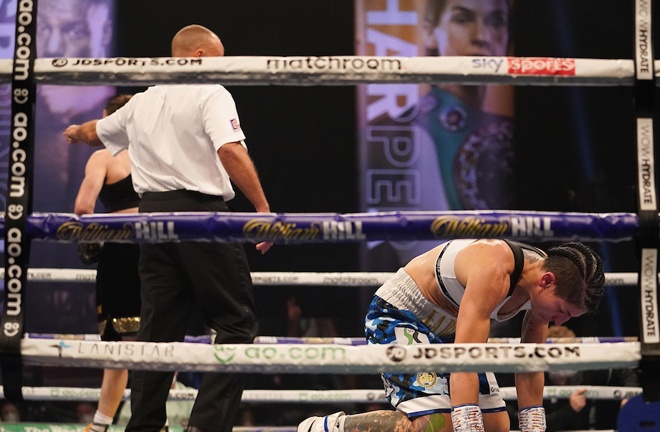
x,y
575,145
302,139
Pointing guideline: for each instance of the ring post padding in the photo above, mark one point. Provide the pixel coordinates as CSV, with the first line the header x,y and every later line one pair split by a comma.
x,y
19,200
648,241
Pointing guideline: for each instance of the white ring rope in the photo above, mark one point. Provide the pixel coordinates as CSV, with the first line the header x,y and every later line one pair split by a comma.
x,y
72,427
374,279
317,396
339,70
77,427
338,340
323,358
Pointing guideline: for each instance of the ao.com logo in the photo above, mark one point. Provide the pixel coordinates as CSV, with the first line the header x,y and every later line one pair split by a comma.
x,y
224,354
60,62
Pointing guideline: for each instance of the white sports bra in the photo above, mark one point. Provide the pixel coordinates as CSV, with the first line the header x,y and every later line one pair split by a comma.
x,y
452,289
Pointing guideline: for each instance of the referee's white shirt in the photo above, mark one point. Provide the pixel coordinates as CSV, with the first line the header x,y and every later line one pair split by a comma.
x,y
174,132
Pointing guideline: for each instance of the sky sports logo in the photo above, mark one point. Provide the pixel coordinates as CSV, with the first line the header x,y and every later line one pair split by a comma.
x,y
541,66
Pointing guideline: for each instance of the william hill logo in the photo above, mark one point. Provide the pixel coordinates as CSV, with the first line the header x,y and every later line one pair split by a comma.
x,y
466,227
448,226
259,229
151,231
328,230
76,231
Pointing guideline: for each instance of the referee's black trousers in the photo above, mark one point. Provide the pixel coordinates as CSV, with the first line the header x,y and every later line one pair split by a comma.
x,y
172,276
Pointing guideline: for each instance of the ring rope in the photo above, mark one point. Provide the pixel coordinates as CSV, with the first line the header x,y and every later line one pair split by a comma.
x,y
317,396
74,427
330,227
65,427
366,279
337,340
324,358
331,70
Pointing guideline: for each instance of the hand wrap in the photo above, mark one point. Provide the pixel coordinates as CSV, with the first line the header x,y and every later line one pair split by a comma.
x,y
532,419
467,418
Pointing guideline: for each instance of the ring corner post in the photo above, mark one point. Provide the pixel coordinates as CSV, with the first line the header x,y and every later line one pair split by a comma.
x,y
648,240
19,199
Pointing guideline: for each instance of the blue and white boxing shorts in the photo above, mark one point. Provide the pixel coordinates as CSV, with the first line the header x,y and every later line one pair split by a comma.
x,y
400,315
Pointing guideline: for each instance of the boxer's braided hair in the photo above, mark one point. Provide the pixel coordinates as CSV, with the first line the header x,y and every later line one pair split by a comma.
x,y
579,273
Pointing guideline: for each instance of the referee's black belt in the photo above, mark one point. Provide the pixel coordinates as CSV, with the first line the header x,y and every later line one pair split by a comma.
x,y
179,194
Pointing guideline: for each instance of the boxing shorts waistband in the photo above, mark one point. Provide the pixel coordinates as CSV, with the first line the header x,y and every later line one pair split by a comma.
x,y
179,194
402,292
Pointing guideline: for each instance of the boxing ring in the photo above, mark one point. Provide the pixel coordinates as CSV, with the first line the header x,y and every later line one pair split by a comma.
x,y
19,226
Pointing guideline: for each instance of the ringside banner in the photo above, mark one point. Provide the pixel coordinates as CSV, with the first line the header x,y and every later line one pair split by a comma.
x,y
425,147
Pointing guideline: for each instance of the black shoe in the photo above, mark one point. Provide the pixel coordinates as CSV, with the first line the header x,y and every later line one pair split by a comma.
x,y
96,427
